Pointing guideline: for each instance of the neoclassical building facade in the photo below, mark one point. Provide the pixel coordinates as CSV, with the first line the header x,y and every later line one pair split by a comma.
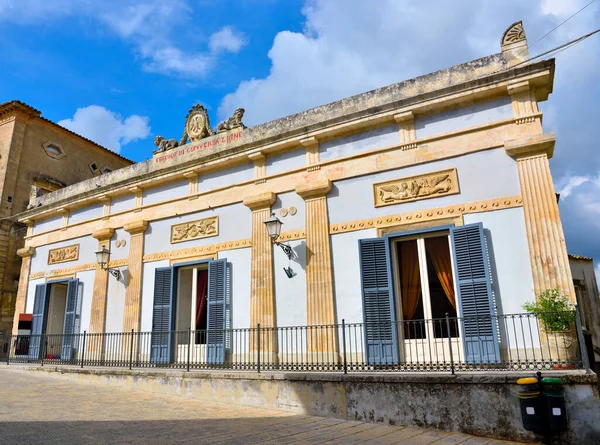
x,y
422,198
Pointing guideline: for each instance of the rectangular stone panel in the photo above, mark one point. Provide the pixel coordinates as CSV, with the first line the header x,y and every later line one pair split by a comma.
x,y
414,188
63,254
202,228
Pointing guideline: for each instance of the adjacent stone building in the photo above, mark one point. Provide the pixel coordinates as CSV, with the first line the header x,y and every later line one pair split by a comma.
x,y
426,197
37,157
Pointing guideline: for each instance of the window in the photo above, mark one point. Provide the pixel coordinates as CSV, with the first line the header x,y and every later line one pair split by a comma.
x,y
93,167
420,277
192,293
425,286
53,150
106,170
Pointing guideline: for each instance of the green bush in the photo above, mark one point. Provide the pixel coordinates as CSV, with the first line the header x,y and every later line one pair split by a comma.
x,y
554,309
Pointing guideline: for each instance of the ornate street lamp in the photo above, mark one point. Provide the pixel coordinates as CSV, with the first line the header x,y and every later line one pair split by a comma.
x,y
102,258
274,230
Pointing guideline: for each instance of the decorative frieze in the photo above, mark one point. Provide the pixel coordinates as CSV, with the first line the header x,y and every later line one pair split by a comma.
x,y
63,254
202,228
430,185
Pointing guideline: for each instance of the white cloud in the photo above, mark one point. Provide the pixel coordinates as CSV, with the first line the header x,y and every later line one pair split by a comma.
x,y
106,127
227,39
156,29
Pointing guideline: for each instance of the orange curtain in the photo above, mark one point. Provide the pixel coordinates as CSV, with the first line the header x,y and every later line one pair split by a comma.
x,y
410,279
440,256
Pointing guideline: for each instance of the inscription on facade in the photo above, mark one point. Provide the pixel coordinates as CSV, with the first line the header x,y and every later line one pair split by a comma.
x,y
203,228
413,188
63,254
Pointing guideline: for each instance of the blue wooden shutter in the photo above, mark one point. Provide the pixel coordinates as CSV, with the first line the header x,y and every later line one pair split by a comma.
x,y
69,343
217,284
162,315
480,334
378,302
38,322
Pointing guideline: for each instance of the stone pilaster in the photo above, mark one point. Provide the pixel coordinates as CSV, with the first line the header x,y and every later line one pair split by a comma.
x,y
547,248
320,303
313,155
25,253
98,313
406,127
133,294
262,296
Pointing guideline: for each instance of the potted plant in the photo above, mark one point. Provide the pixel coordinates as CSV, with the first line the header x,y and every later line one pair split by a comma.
x,y
557,316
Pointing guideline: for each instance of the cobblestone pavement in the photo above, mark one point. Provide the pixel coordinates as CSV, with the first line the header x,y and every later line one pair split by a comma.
x,y
40,409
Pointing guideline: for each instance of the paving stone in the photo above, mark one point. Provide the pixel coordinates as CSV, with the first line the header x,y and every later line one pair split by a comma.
x,y
39,409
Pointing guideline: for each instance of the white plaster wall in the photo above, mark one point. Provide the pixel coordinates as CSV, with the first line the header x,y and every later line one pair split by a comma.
x,y
85,213
122,203
148,293
118,253
235,222
87,279
285,161
47,224
483,175
115,301
510,255
346,274
464,117
240,260
367,140
165,192
290,293
224,177
31,294
290,222
87,249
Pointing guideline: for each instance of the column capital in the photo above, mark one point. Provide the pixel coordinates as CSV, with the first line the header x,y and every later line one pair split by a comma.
x,y
258,156
258,202
307,142
26,251
531,145
136,227
403,117
315,189
519,86
104,234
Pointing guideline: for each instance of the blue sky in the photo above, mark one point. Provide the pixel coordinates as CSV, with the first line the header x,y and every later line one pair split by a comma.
x,y
123,71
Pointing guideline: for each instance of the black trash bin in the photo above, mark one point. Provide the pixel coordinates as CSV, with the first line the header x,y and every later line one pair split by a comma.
x,y
533,410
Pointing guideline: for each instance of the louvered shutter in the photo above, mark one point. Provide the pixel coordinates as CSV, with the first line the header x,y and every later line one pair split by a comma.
x,y
69,343
38,322
162,316
378,302
217,284
480,333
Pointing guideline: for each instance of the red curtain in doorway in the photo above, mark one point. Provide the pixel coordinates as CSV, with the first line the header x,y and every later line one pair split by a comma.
x,y
439,252
201,294
410,278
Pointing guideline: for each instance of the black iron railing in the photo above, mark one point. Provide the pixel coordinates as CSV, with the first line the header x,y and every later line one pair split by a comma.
x,y
490,343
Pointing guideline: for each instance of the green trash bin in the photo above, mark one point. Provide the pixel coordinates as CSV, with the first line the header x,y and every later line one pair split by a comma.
x,y
555,404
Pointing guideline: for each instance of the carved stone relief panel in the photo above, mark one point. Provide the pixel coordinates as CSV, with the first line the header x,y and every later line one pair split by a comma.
x,y
63,254
202,228
430,185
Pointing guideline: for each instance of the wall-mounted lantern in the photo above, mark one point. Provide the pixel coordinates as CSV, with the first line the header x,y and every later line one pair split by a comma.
x,y
274,230
102,258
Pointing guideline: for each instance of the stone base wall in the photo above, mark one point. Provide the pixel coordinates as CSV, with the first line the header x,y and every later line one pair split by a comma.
x,y
482,404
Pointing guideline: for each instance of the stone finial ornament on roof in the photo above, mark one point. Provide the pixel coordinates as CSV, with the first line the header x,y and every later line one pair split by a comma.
x,y
515,33
235,121
164,144
197,125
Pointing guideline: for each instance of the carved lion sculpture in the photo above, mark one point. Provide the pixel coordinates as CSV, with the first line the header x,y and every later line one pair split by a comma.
x,y
235,121
164,144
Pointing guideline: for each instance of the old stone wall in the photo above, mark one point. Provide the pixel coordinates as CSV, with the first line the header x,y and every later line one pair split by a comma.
x,y
483,404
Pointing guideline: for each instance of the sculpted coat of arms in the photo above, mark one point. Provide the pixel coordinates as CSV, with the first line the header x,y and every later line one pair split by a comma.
x,y
197,126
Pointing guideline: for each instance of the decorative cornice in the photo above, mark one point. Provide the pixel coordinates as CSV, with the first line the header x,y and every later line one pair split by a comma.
x,y
104,234
258,202
315,189
26,252
73,270
199,250
136,227
531,145
429,214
